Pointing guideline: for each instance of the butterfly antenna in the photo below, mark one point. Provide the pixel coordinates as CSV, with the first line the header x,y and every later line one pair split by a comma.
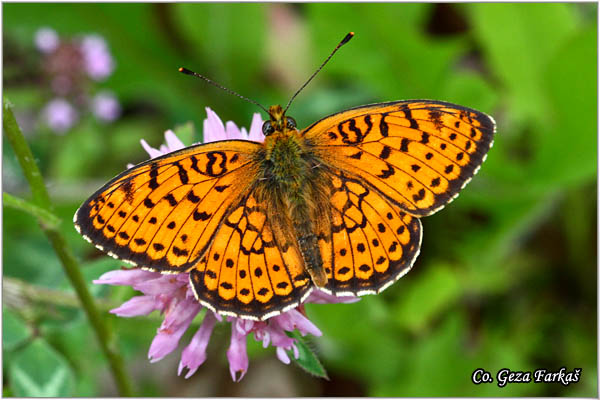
x,y
345,40
197,75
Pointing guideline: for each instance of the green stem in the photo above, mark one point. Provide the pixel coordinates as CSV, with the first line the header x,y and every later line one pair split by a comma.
x,y
46,218
18,294
42,200
23,152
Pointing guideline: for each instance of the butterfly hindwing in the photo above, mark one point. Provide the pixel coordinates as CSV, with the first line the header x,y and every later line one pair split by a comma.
x,y
370,243
163,213
246,271
420,153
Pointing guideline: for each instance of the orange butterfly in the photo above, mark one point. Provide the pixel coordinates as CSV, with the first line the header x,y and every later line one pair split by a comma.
x,y
258,225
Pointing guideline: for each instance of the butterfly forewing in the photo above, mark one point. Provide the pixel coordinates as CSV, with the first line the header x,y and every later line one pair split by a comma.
x,y
162,214
419,154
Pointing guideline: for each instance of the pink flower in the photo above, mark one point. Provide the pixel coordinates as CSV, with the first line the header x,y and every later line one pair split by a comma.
x,y
69,65
173,296
98,62
105,106
215,130
46,40
60,115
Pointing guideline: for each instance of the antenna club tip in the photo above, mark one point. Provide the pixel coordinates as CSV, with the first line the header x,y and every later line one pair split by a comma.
x,y
185,71
347,38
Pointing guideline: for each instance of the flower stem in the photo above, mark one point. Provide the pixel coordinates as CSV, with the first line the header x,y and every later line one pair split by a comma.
x,y
41,199
44,217
18,294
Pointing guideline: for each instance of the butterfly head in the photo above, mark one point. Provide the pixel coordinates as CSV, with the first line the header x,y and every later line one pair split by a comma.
x,y
278,122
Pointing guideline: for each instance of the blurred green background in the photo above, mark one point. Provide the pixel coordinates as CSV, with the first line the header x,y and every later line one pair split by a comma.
x,y
507,273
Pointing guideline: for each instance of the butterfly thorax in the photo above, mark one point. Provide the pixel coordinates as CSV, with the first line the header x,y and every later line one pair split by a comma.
x,y
286,161
291,181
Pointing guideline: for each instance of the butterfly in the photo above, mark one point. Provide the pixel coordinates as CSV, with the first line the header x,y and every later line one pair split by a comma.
x,y
257,226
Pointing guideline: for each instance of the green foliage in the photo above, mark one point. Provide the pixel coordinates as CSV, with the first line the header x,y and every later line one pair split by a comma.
x,y
432,292
14,331
39,371
307,359
507,273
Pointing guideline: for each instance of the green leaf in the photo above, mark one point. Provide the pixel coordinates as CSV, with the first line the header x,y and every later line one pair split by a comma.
x,y
123,142
389,53
518,40
224,50
434,290
307,359
39,371
14,330
83,139
469,89
31,260
567,152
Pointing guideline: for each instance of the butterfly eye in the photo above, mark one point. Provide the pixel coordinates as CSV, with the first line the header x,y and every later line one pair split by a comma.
x,y
267,128
291,123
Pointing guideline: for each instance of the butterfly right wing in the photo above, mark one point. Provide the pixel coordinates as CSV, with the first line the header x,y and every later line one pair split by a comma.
x,y
163,214
418,153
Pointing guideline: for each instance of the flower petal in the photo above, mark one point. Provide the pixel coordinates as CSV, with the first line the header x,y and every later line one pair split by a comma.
x,y
150,150
232,131
139,305
126,277
279,337
176,322
255,133
173,142
194,354
236,354
165,284
293,319
282,355
180,311
213,127
319,297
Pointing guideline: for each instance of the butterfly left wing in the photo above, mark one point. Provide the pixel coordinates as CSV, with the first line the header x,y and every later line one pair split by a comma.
x,y
164,213
369,243
248,271
419,154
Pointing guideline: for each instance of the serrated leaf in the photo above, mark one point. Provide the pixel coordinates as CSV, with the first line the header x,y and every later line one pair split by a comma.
x,y
39,371
307,359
